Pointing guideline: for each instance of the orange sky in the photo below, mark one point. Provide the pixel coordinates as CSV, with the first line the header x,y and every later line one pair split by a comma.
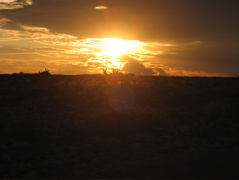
x,y
153,37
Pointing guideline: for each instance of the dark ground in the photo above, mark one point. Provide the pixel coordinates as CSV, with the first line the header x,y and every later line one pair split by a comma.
x,y
89,127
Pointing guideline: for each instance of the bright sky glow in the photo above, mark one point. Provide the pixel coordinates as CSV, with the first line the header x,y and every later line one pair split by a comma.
x,y
117,47
32,49
108,52
101,7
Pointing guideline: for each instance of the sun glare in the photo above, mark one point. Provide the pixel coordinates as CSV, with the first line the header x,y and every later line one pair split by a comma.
x,y
100,7
109,52
116,47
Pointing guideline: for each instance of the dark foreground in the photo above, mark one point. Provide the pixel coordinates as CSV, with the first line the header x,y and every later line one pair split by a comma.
x,y
88,127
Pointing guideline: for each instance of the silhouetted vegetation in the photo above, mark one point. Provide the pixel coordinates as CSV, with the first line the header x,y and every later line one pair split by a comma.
x,y
87,126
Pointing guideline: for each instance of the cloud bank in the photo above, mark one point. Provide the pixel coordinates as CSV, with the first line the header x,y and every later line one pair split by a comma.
x,y
171,20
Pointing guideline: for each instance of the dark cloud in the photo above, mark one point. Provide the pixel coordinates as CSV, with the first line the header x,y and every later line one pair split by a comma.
x,y
161,72
211,57
134,66
173,20
137,69
8,24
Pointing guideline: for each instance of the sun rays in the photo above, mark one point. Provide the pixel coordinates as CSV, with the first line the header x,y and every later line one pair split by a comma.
x,y
109,51
117,47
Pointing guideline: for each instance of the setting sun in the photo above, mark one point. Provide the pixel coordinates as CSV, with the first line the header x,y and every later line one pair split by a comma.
x,y
108,52
117,47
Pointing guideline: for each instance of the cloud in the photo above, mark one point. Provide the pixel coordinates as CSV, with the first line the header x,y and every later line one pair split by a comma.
x,y
133,66
34,29
10,31
173,20
165,21
178,72
211,57
14,4
3,21
161,72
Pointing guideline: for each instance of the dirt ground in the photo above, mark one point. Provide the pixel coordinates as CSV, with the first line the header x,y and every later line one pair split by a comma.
x,y
86,127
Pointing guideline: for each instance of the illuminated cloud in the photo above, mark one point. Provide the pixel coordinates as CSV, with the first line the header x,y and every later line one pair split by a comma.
x,y
14,4
178,72
4,21
101,7
34,29
34,34
9,35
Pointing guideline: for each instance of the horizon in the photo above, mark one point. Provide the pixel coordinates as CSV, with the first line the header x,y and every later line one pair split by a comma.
x,y
97,74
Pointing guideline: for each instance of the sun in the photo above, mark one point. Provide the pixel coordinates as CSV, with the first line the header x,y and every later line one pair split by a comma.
x,y
111,52
117,47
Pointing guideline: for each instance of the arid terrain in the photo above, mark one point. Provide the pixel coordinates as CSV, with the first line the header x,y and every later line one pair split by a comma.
x,y
97,126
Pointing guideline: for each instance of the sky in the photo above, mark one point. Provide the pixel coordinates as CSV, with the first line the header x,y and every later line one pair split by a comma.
x,y
145,37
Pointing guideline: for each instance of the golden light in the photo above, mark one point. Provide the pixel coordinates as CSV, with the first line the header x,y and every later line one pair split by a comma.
x,y
109,52
100,7
116,47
